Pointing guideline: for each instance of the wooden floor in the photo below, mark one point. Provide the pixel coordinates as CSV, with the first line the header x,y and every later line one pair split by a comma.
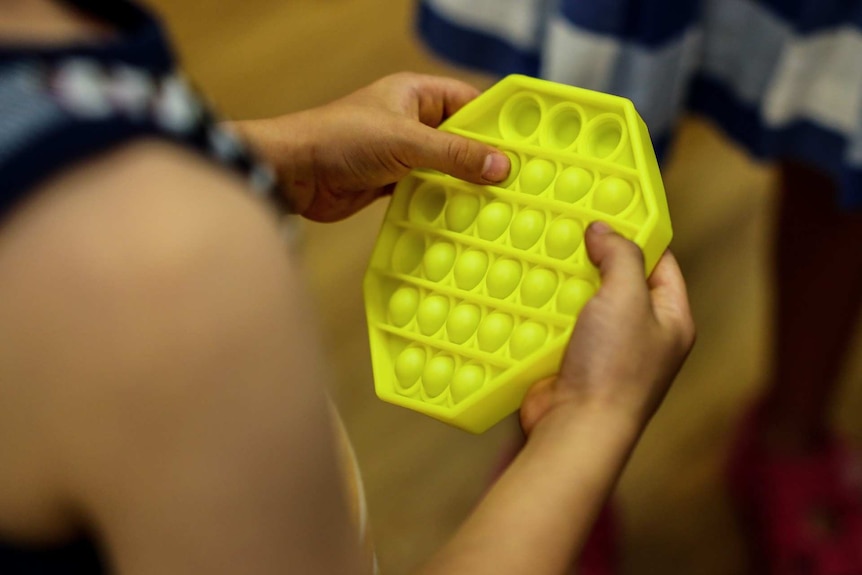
x,y
261,57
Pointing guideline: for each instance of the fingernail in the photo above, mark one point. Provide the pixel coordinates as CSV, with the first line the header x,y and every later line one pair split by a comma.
x,y
496,167
601,228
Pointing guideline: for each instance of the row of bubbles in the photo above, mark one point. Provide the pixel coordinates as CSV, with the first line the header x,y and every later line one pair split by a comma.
x,y
473,270
441,316
572,185
438,373
470,214
564,127
528,229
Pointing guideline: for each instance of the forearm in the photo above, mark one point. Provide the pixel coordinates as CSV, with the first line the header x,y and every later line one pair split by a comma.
x,y
539,513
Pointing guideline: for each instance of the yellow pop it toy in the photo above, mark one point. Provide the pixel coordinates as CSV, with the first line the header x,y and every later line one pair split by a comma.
x,y
472,291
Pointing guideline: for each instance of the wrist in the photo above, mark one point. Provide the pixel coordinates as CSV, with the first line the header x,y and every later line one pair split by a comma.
x,y
606,425
279,141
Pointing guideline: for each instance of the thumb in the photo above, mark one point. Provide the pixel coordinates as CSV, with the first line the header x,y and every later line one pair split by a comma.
x,y
455,155
620,262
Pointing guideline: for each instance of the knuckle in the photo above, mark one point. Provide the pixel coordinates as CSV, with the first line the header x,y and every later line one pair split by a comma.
x,y
459,152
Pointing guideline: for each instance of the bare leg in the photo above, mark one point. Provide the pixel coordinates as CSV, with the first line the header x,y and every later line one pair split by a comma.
x,y
818,287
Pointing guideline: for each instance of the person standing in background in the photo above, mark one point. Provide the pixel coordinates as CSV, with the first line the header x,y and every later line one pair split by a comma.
x,y
784,80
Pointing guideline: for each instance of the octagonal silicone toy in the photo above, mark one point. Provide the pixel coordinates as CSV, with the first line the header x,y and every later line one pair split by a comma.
x,y
472,291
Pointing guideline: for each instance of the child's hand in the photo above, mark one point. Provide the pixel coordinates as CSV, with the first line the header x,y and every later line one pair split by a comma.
x,y
336,159
629,343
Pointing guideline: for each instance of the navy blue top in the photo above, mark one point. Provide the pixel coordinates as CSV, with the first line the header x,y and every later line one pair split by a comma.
x,y
60,105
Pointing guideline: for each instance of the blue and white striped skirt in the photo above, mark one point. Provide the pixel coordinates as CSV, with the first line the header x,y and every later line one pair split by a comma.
x,y
783,78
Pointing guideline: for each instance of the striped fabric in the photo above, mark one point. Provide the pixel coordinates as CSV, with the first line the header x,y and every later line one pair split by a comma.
x,y
783,78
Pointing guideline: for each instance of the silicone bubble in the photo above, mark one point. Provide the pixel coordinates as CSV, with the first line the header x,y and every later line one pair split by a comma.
x,y
437,375
573,294
402,305
604,136
432,314
467,381
409,366
438,260
573,184
520,117
427,203
563,126
494,331
538,287
537,175
463,322
527,338
503,277
564,236
408,252
613,195
527,228
470,269
493,220
461,211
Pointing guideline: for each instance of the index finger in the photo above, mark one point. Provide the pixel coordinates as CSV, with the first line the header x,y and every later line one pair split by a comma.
x,y
439,97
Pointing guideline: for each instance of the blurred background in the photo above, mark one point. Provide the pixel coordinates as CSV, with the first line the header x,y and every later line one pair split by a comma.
x,y
255,58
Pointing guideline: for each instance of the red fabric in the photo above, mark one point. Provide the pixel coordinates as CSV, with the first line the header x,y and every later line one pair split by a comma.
x,y
803,512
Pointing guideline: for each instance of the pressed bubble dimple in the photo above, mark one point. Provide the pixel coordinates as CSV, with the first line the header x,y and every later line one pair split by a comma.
x,y
613,195
538,287
467,381
520,117
402,305
462,322
604,136
432,314
407,252
503,277
573,294
572,184
438,260
461,211
494,331
409,366
493,220
437,375
527,228
527,338
564,126
470,269
426,204
563,238
537,175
